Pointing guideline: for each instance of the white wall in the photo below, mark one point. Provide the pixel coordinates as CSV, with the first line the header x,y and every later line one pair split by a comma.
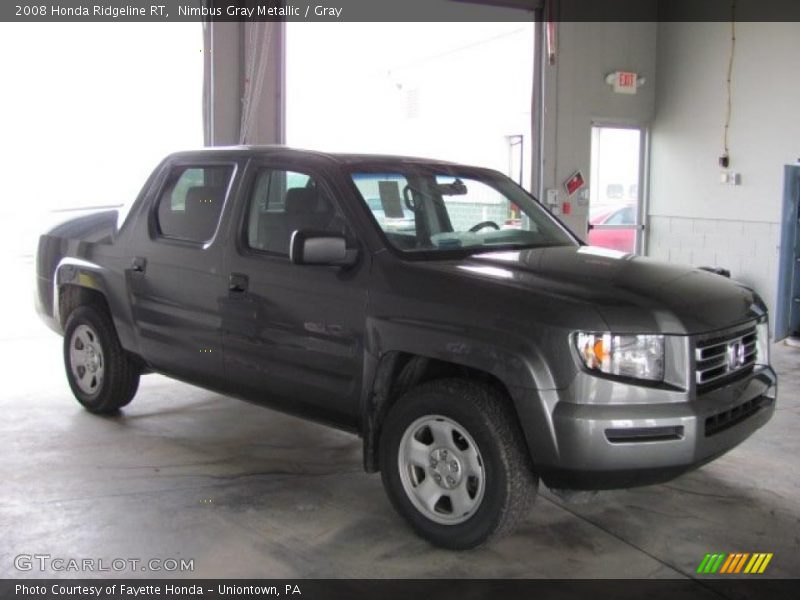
x,y
576,95
87,110
693,218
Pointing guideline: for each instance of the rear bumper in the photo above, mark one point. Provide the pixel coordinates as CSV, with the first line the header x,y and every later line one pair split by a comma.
x,y
616,445
43,303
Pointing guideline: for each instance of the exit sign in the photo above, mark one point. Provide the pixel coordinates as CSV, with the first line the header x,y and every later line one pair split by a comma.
x,y
625,82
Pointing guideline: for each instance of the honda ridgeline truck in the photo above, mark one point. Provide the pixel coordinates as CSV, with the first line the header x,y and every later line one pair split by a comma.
x,y
438,311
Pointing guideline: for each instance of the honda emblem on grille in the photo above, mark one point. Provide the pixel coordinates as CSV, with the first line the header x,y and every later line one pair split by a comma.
x,y
736,355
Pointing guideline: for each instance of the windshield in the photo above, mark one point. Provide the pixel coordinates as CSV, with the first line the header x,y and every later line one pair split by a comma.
x,y
423,209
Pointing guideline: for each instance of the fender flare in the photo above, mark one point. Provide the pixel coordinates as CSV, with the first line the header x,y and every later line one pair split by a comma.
x,y
80,273
522,376
91,277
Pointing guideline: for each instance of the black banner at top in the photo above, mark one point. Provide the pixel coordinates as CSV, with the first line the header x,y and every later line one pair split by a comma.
x,y
397,10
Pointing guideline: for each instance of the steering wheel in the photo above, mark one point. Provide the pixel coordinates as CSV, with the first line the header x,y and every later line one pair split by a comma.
x,y
482,224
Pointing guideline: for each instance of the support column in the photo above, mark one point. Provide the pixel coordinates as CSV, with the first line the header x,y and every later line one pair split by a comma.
x,y
244,83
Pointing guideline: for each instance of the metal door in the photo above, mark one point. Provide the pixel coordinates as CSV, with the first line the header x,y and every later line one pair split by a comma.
x,y
616,211
787,315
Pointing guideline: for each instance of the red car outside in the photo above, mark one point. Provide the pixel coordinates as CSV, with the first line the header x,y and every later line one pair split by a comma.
x,y
623,240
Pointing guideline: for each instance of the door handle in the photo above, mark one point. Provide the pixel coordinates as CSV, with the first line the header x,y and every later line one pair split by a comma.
x,y
238,282
139,264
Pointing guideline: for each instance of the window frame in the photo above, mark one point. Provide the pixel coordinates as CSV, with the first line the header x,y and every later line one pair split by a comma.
x,y
642,201
156,234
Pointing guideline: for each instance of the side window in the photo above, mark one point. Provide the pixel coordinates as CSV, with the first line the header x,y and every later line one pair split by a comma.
x,y
283,202
191,203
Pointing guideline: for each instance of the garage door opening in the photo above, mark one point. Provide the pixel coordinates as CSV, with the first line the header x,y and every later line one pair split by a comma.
x,y
106,102
453,91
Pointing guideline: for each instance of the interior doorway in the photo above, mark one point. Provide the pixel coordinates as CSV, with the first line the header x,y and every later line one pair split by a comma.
x,y
616,193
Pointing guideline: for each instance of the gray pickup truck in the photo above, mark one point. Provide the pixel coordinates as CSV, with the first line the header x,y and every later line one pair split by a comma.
x,y
436,310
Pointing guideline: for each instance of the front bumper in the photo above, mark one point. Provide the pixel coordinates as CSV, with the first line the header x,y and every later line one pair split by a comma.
x,y
606,446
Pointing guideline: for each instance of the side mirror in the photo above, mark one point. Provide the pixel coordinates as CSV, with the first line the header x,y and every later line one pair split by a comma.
x,y
319,248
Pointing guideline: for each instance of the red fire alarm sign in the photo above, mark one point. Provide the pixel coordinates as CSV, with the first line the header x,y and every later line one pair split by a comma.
x,y
574,183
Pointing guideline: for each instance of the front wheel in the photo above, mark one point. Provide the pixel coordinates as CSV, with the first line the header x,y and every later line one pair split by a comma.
x,y
454,463
101,375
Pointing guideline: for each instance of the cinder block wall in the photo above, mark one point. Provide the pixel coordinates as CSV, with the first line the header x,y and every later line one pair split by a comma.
x,y
693,218
749,249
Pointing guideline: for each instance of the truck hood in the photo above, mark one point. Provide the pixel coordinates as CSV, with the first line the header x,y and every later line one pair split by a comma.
x,y
632,294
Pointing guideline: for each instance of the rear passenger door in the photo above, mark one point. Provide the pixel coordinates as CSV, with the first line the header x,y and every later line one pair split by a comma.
x,y
175,278
293,334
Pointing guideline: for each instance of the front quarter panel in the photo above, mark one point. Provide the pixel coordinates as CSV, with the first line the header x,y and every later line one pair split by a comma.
x,y
474,322
517,366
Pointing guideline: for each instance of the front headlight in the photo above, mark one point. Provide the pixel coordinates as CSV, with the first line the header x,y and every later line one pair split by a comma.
x,y
762,343
634,356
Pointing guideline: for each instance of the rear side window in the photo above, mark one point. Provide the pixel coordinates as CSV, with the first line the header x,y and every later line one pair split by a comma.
x,y
191,203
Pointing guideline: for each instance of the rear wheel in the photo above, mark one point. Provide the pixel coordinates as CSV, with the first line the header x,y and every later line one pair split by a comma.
x,y
103,377
454,463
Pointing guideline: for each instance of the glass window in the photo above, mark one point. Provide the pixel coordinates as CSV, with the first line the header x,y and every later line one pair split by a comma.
x,y
424,209
623,216
381,192
191,203
283,202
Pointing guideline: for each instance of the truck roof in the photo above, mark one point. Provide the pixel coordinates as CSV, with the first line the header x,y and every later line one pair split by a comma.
x,y
288,152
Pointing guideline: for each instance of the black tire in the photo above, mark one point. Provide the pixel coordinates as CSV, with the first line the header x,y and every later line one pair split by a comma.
x,y
510,485
120,374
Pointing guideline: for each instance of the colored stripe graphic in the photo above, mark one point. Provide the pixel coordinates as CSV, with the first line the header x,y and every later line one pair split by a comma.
x,y
767,558
741,562
701,568
727,564
711,563
754,563
718,563
735,558
730,564
736,562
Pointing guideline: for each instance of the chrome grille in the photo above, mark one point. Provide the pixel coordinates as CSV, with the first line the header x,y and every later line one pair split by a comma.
x,y
725,357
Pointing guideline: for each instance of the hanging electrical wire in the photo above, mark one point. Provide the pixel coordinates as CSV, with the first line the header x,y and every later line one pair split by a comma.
x,y
725,159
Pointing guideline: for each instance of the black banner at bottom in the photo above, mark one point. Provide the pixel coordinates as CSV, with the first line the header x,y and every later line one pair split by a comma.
x,y
387,589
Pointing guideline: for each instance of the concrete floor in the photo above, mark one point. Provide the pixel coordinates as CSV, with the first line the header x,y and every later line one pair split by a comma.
x,y
247,492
